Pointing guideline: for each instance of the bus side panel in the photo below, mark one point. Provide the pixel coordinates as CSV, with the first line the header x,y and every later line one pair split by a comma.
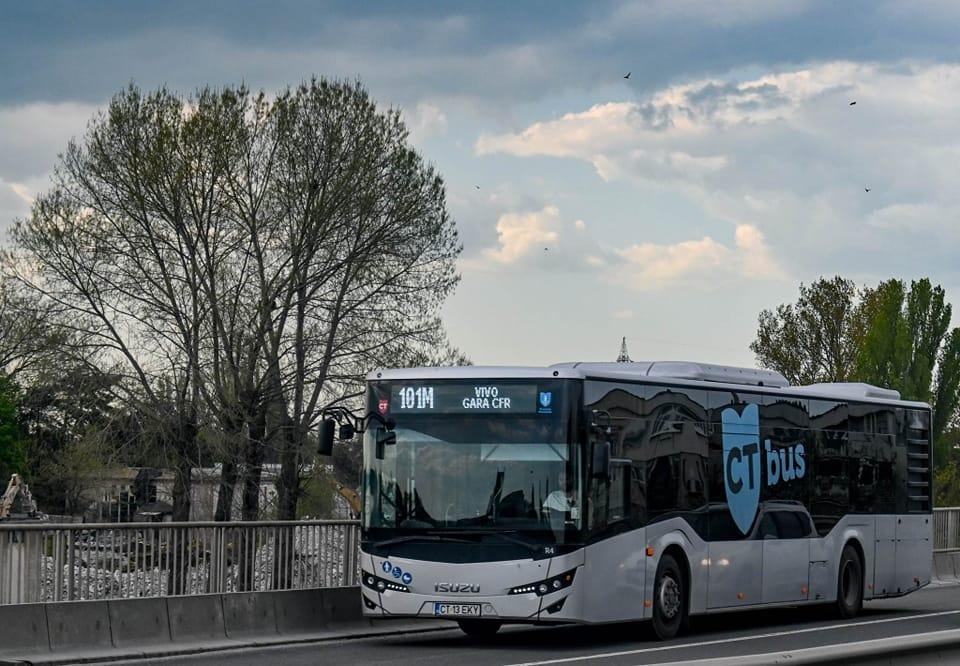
x,y
614,578
825,553
914,552
863,529
884,570
678,532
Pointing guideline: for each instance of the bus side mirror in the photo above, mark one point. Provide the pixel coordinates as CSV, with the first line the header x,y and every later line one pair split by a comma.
x,y
325,436
388,439
601,460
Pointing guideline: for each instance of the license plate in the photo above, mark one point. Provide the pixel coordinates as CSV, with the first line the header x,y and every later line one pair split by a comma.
x,y
460,610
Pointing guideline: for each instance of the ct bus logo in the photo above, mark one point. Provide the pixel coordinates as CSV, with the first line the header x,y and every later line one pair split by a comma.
x,y
741,463
743,467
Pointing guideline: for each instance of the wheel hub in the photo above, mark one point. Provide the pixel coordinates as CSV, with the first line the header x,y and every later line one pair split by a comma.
x,y
669,597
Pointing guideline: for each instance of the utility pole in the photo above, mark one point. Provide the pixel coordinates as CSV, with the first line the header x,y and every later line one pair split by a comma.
x,y
624,357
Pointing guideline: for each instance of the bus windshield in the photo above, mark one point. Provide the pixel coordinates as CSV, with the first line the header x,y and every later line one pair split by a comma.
x,y
459,472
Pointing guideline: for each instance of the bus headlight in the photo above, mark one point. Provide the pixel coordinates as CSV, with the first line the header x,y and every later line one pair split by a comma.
x,y
381,584
554,584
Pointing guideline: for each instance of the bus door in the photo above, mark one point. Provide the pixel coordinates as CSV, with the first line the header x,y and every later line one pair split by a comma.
x,y
786,555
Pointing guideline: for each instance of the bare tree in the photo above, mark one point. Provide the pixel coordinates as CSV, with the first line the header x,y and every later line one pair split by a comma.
x,y
28,333
243,261
111,248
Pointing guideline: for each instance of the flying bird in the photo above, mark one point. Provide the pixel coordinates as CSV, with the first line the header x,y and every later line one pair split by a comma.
x,y
627,75
546,249
866,189
477,186
853,103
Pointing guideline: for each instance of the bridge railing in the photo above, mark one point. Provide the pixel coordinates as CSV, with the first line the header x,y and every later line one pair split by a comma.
x,y
946,529
42,562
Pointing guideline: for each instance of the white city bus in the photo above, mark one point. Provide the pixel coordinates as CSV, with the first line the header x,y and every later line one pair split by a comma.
x,y
611,492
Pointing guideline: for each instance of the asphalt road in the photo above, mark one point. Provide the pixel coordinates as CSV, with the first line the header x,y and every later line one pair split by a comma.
x,y
745,633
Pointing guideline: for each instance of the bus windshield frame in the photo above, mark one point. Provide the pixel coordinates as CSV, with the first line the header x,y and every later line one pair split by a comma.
x,y
462,467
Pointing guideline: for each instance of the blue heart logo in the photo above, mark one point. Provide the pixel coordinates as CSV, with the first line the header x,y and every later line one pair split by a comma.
x,y
741,464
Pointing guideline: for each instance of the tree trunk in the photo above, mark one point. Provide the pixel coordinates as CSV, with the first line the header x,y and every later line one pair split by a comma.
x,y
181,488
250,507
288,484
253,465
288,494
229,473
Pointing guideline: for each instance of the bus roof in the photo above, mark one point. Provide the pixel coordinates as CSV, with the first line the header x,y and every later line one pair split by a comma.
x,y
680,373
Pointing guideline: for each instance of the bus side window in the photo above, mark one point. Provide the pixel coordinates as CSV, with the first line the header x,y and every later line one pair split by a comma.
x,y
767,528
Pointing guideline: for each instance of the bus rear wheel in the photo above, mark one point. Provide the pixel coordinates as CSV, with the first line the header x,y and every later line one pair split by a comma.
x,y
669,599
479,629
849,584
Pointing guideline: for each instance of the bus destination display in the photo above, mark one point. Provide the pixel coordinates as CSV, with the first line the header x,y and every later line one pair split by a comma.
x,y
468,398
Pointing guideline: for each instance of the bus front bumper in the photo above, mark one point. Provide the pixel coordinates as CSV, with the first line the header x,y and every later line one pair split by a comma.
x,y
561,606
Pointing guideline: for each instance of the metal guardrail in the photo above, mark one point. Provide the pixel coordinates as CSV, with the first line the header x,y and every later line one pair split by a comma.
x,y
946,529
41,562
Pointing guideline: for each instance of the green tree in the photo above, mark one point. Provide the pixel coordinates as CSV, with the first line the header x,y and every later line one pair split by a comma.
x,y
908,346
946,483
886,335
13,458
815,339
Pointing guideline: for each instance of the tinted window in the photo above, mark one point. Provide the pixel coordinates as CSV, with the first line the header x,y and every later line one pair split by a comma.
x,y
805,524
869,419
617,400
677,404
717,401
722,527
828,415
768,528
783,412
918,419
829,481
789,525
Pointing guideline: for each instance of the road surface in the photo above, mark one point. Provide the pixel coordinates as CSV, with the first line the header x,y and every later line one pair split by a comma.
x,y
745,633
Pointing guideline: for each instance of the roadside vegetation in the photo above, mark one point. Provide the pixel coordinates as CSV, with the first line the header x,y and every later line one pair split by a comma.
x,y
893,335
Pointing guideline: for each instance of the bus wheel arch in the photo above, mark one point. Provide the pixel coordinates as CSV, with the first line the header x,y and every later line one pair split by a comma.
x,y
850,570
673,562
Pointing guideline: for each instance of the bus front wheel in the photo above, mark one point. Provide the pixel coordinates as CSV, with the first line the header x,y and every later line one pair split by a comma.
x,y
669,599
849,583
479,628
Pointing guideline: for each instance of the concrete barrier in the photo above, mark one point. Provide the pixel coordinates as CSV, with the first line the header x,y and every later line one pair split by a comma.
x,y
300,611
136,622
24,629
213,620
197,618
946,567
342,605
78,625
249,614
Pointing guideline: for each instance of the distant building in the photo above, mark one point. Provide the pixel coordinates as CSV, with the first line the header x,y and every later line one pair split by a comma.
x,y
142,494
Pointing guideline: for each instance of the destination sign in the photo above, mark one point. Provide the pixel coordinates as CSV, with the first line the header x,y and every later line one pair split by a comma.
x,y
479,398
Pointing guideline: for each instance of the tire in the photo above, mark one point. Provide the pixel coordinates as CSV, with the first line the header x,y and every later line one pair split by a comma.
x,y
670,612
479,629
849,584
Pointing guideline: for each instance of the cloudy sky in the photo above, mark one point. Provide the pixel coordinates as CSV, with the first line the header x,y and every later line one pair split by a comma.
x,y
675,204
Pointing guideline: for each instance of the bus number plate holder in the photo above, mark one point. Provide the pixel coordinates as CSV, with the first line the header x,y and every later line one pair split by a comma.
x,y
456,610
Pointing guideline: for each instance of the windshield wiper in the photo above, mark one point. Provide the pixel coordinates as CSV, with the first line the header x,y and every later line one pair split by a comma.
x,y
502,535
418,537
